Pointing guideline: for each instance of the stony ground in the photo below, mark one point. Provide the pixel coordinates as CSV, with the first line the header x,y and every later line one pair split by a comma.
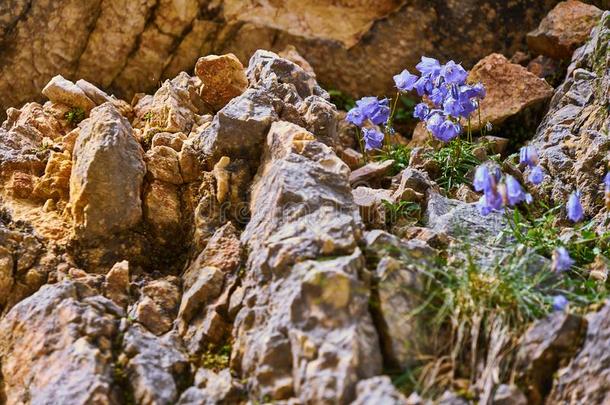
x,y
219,241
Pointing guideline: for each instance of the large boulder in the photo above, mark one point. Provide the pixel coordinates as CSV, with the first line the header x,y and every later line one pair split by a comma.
x,y
572,140
564,29
129,47
107,175
304,331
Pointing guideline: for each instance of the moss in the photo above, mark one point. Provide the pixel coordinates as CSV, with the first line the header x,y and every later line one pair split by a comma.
x,y
215,357
74,116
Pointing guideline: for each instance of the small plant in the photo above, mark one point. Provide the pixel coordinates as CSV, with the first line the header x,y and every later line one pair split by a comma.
x,y
400,154
401,209
215,357
74,116
456,160
148,117
341,100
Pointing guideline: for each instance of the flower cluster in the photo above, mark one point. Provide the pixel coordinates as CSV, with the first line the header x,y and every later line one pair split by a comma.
x,y
447,96
528,155
498,191
374,110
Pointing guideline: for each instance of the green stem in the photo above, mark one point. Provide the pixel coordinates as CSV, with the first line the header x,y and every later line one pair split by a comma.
x,y
361,144
390,125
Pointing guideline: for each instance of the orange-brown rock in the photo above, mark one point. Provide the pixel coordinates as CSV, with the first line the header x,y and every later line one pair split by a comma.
x,y
223,79
564,29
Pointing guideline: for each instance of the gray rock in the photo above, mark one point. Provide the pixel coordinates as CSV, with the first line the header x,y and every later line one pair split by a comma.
x,y
62,91
59,341
378,390
547,345
509,395
573,139
107,175
304,331
156,367
586,379
213,389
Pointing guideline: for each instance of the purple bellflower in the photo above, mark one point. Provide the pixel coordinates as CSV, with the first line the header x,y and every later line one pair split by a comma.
x,y
536,175
574,208
560,303
421,111
514,192
528,155
356,117
607,190
561,260
405,81
454,73
429,67
373,139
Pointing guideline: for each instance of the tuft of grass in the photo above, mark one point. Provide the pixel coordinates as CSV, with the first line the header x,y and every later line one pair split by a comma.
x,y
149,116
401,209
477,315
341,100
540,232
400,154
456,160
74,116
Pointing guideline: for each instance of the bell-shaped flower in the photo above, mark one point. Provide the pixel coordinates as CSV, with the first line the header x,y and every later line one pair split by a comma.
x,y
536,175
574,208
561,260
405,81
373,139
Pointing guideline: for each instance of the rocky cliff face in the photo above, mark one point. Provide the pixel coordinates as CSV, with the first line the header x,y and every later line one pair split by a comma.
x,y
127,47
216,241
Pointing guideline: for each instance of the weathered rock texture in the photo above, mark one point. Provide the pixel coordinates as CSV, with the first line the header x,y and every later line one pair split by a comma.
x,y
305,330
127,46
573,138
564,29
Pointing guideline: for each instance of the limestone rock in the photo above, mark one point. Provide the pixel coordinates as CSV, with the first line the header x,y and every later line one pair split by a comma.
x,y
511,89
213,389
301,313
62,91
107,175
378,390
162,210
564,29
116,286
371,173
223,78
586,380
547,345
158,305
156,367
162,164
55,183
21,136
370,202
60,341
572,139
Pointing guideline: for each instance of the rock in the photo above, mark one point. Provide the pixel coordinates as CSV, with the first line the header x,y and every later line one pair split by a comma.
x,y
305,307
189,163
414,179
402,335
509,395
351,157
21,136
129,47
156,367
370,202
6,274
371,173
172,108
223,78
116,286
100,97
107,174
223,251
158,305
465,194
207,286
174,141
547,345
544,67
20,185
162,164
59,340
62,91
463,221
571,139
378,390
213,388
162,210
585,380
55,183
290,53
564,29
511,89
